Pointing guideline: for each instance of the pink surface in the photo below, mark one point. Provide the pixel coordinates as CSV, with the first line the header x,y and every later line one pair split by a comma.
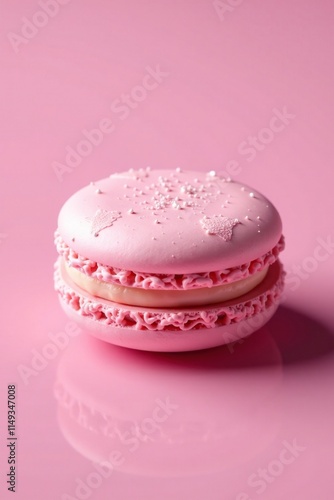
x,y
244,89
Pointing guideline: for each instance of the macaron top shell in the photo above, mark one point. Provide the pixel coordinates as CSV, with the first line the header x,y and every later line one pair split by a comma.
x,y
169,221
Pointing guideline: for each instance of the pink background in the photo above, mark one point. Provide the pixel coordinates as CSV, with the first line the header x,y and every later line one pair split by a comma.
x,y
227,71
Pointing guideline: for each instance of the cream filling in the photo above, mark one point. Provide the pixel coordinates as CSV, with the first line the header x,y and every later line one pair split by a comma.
x,y
164,298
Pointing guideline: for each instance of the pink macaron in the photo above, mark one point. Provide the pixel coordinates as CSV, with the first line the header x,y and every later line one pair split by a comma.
x,y
169,260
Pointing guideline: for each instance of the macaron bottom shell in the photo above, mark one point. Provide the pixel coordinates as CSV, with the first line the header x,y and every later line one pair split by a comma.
x,y
177,339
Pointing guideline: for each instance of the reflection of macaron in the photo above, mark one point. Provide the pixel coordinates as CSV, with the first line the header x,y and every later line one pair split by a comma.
x,y
155,422
168,260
